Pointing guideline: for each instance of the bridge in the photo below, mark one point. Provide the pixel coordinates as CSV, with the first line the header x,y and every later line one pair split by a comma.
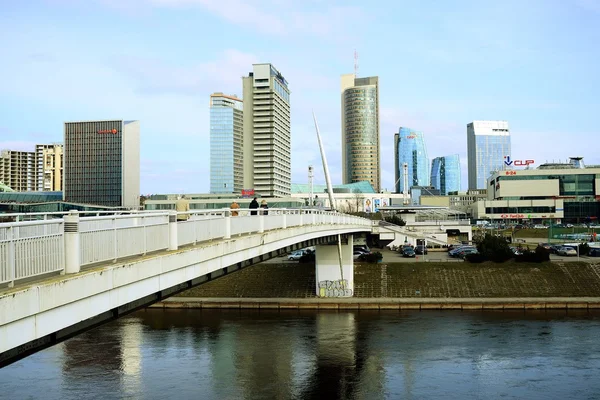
x,y
67,273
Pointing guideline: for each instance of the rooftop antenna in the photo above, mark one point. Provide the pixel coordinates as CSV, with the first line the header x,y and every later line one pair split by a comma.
x,y
355,63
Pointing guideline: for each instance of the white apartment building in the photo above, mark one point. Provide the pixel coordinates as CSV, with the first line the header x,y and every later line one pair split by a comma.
x,y
267,132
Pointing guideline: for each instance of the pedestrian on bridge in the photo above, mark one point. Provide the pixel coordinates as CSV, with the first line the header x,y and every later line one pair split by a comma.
x,y
264,206
182,204
253,206
234,207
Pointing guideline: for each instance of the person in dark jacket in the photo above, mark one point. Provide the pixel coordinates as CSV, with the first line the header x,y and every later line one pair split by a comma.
x,y
264,206
253,206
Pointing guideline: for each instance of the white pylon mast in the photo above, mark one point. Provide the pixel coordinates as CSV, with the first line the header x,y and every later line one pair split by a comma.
x,y
325,167
310,186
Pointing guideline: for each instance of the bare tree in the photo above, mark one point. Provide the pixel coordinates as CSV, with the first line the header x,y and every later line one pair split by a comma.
x,y
358,200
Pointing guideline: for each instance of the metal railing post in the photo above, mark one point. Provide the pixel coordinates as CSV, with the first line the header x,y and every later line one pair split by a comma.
x,y
301,212
72,242
144,231
227,224
173,231
261,221
12,262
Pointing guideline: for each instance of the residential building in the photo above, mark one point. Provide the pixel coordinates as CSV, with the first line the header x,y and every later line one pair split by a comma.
x,y
568,192
49,164
102,163
445,174
18,170
267,132
226,144
409,148
488,146
360,130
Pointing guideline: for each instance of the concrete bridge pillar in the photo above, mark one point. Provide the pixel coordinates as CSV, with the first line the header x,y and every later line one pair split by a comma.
x,y
72,242
331,281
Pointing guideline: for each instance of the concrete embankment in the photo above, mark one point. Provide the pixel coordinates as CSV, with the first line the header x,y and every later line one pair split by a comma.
x,y
560,303
405,286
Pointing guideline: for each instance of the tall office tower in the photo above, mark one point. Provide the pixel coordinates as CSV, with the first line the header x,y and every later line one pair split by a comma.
x,y
445,174
226,144
102,163
360,130
267,137
49,163
409,148
488,142
18,170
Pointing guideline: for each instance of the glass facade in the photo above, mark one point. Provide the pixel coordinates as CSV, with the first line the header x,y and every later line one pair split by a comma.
x,y
577,185
445,174
488,143
93,161
360,132
226,142
410,149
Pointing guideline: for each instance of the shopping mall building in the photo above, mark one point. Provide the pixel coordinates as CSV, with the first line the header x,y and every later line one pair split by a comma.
x,y
568,192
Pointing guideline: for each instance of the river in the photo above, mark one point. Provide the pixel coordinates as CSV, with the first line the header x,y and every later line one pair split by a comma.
x,y
219,354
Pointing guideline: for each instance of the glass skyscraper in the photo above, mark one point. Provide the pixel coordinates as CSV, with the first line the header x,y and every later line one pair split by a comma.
x,y
409,148
360,130
488,143
445,174
226,144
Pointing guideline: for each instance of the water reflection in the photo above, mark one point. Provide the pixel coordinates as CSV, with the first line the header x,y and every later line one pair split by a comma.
x,y
254,355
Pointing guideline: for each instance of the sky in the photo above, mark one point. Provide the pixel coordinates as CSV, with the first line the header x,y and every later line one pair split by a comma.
x,y
440,64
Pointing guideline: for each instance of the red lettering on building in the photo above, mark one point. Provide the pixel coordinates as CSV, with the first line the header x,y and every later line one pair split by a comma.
x,y
107,131
512,216
511,172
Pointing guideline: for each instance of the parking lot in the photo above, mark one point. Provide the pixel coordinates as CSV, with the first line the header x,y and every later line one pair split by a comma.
x,y
390,256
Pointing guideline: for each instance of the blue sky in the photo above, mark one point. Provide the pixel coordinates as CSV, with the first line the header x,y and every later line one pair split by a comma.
x,y
441,65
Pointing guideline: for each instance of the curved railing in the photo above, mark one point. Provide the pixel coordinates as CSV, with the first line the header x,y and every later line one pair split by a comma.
x,y
65,242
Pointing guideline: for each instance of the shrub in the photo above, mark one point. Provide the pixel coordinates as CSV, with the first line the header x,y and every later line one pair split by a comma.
x,y
495,249
396,220
307,258
370,257
475,258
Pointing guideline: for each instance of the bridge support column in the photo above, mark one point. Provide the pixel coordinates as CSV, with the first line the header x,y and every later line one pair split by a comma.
x,y
331,281
72,243
173,242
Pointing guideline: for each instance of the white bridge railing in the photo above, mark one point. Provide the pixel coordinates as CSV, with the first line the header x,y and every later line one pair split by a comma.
x,y
64,242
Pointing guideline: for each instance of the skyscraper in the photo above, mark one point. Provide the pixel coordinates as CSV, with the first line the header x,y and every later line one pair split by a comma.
x,y
226,144
360,130
445,174
409,148
488,142
102,163
267,132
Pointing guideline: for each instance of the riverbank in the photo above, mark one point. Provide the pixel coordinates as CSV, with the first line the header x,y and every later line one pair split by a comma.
x,y
558,303
414,280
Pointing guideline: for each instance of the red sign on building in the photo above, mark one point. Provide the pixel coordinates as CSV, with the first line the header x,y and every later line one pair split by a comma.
x,y
247,192
107,131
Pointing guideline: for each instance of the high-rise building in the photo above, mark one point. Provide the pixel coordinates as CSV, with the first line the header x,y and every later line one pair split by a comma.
x,y
102,163
488,143
360,130
49,163
226,144
267,132
18,170
445,174
409,148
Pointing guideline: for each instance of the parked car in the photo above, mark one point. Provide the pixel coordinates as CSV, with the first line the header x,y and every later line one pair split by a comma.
x,y
567,251
295,255
404,248
408,252
555,248
456,252
546,246
464,252
420,249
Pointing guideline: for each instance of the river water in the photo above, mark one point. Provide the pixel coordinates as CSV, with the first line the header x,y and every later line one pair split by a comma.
x,y
216,354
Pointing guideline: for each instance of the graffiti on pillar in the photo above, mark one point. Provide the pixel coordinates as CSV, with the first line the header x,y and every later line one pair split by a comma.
x,y
337,288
